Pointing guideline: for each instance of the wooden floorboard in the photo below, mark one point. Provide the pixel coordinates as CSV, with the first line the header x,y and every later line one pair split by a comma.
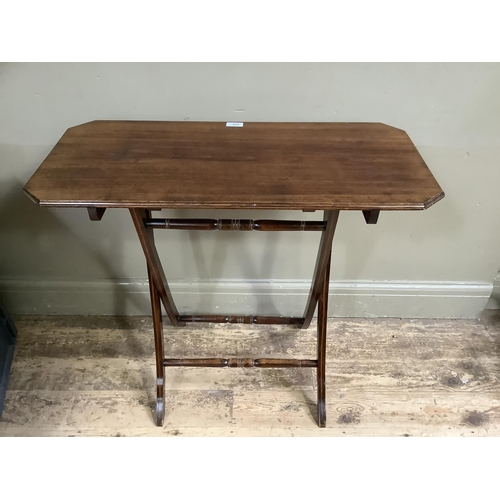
x,y
94,376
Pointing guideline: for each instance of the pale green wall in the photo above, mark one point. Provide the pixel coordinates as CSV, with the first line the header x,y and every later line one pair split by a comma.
x,y
451,112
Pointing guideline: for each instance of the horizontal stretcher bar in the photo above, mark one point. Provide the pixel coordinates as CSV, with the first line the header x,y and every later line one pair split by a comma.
x,y
246,320
236,224
241,362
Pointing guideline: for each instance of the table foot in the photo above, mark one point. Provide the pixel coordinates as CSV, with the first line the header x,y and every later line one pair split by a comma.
x,y
321,413
160,411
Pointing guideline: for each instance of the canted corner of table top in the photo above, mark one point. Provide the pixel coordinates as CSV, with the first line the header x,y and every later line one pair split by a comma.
x,y
263,166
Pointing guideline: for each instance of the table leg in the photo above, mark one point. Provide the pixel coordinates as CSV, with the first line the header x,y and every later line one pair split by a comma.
x,y
158,336
322,323
146,237
160,292
325,249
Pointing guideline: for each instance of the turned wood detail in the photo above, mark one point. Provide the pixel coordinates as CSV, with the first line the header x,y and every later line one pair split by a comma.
x,y
160,292
241,362
236,224
241,319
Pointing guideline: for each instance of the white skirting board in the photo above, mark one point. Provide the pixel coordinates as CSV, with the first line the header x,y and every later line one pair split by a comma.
x,y
430,299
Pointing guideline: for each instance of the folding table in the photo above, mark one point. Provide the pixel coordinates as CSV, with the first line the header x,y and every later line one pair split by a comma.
x,y
151,165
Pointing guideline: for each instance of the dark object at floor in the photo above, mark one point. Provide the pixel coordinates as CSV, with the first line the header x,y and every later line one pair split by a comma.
x,y
8,334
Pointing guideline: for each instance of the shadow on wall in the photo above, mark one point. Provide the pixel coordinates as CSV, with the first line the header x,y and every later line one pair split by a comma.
x,y
39,245
213,268
30,248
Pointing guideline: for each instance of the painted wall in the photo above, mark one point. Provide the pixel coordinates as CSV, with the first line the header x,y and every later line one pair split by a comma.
x,y
438,262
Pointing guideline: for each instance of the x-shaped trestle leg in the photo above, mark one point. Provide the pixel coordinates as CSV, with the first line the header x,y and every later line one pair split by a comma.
x,y
160,293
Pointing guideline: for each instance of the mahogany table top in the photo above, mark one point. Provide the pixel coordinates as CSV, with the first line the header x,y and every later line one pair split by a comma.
x,y
287,166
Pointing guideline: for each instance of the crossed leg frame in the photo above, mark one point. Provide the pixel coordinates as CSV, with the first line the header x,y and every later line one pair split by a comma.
x,y
160,294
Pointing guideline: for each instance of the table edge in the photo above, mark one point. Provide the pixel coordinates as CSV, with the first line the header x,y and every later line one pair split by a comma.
x,y
234,206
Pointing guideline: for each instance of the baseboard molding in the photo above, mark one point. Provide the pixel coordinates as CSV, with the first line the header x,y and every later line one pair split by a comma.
x,y
347,298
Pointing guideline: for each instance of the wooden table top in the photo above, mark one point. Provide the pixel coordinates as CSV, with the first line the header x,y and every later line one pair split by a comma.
x,y
288,166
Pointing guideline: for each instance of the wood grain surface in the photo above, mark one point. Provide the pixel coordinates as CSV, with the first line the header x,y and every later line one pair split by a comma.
x,y
290,166
94,376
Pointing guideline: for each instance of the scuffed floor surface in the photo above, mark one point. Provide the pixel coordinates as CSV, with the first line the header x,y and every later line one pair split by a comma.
x,y
94,376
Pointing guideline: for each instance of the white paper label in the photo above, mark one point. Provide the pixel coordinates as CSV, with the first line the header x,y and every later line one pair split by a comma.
x,y
234,124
